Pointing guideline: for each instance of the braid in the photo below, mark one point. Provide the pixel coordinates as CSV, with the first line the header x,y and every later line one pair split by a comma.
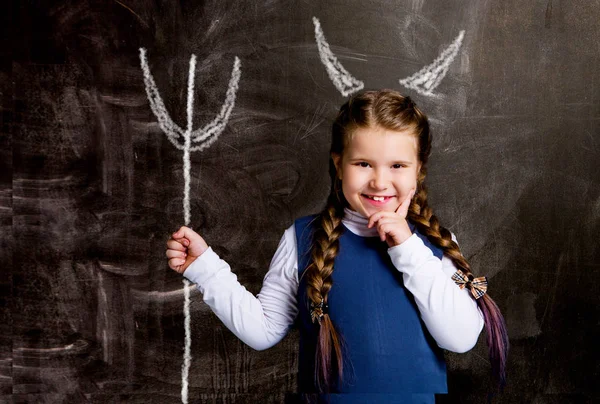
x,y
319,282
428,224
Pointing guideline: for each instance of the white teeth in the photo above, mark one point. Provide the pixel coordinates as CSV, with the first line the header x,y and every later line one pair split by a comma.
x,y
376,198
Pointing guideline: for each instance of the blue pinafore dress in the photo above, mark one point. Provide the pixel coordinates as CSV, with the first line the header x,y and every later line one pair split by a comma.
x,y
390,357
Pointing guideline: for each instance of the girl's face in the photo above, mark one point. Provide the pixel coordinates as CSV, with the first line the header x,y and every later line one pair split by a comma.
x,y
378,162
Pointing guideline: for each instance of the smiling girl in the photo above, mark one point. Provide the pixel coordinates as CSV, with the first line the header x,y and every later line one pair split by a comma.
x,y
377,287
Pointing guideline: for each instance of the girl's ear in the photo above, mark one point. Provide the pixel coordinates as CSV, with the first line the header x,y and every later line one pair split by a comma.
x,y
337,159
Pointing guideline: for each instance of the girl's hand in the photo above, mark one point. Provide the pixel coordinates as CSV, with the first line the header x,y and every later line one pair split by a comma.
x,y
392,226
184,246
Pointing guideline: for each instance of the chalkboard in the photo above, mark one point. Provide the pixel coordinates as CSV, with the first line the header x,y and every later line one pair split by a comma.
x,y
92,186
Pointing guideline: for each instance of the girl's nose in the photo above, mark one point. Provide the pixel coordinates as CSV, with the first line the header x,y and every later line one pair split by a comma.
x,y
380,180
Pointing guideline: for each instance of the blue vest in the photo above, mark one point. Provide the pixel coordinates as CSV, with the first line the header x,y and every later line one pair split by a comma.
x,y
390,356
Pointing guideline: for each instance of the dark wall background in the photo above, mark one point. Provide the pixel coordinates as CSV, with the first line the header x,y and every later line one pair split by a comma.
x,y
91,187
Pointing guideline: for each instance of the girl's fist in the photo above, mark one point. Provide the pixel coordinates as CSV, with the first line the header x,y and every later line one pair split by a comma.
x,y
184,246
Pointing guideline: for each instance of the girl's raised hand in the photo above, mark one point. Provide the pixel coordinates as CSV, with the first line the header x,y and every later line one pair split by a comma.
x,y
392,226
184,246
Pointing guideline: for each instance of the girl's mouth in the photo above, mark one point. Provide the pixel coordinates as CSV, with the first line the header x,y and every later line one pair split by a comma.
x,y
376,200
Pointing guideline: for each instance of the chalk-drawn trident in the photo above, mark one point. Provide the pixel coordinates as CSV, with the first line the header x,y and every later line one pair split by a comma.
x,y
201,138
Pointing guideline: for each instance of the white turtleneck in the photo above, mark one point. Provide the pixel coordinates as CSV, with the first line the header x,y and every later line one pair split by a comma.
x,y
450,314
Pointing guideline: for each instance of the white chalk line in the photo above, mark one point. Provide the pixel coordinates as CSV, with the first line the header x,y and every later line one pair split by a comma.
x,y
429,77
187,357
170,128
210,132
188,142
187,351
341,78
207,135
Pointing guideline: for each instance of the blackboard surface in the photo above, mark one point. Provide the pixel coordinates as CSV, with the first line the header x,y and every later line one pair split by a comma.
x,y
91,187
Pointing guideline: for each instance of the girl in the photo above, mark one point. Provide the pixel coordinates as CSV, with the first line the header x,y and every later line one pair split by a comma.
x,y
377,286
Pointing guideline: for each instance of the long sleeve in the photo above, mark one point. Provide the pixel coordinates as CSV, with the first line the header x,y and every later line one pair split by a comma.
x,y
261,321
450,314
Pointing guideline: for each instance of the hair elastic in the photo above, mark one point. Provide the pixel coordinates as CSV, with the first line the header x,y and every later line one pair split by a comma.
x,y
477,286
318,310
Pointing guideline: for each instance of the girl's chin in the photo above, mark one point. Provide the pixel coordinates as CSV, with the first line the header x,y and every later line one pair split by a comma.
x,y
367,211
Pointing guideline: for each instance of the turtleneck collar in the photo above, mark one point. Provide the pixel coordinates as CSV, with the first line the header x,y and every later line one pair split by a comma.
x,y
357,223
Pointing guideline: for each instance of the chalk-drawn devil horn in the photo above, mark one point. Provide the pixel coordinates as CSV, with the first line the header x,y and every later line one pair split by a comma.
x,y
429,77
424,81
342,80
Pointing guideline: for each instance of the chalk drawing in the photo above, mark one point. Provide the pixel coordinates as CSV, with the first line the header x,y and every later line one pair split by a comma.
x,y
203,137
343,81
429,77
209,133
187,356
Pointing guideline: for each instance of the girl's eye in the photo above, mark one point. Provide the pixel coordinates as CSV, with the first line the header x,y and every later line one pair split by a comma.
x,y
365,164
